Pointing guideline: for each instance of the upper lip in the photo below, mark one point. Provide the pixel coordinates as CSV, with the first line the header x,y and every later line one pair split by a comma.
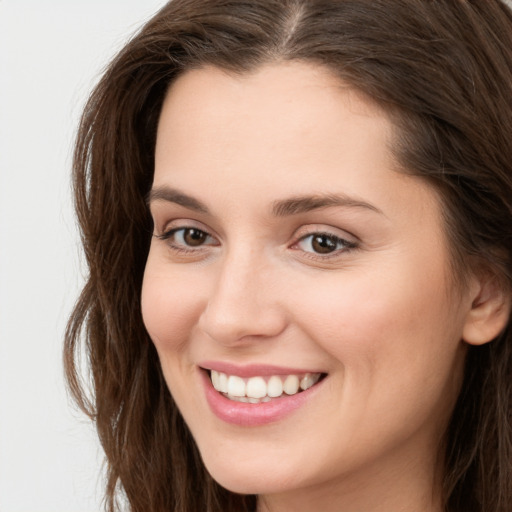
x,y
254,370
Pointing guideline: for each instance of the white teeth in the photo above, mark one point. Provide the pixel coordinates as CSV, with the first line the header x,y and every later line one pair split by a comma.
x,y
274,386
243,399
291,385
223,383
309,380
259,389
256,387
215,379
236,386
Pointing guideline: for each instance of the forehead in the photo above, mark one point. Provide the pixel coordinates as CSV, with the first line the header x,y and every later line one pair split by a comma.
x,y
269,82
240,144
286,116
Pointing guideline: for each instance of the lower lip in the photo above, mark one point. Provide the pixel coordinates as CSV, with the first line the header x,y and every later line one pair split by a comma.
x,y
253,415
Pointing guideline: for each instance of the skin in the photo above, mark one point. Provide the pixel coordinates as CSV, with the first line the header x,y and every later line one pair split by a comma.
x,y
380,315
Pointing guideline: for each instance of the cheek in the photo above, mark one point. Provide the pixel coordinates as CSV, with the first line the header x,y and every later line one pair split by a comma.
x,y
398,350
395,325
170,306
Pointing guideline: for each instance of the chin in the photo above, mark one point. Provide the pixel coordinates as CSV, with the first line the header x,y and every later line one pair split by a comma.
x,y
250,476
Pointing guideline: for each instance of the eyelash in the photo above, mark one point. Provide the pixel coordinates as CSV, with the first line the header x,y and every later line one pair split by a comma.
x,y
335,240
182,248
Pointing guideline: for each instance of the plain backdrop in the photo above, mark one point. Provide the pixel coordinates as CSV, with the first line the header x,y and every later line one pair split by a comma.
x,y
51,54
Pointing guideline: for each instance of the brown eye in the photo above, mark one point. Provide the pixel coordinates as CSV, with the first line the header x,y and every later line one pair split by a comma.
x,y
188,238
194,237
324,244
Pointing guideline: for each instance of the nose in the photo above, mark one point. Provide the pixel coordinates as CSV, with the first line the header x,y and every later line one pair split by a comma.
x,y
244,303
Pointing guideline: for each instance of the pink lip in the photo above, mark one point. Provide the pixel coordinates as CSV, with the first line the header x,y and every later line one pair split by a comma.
x,y
253,370
253,415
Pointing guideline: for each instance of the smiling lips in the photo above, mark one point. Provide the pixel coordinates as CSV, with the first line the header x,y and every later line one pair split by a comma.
x,y
257,395
257,390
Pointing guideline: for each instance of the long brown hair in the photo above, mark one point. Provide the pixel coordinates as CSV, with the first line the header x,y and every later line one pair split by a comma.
x,y
443,71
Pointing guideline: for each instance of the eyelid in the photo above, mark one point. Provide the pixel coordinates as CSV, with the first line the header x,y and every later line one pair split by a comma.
x,y
323,229
169,233
348,242
181,223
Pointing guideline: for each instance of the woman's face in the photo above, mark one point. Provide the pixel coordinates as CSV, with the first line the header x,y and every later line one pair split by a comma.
x,y
287,251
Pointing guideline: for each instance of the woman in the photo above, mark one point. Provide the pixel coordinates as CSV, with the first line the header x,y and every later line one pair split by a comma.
x,y
297,219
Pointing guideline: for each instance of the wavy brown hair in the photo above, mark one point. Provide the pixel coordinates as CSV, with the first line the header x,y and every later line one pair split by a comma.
x,y
442,69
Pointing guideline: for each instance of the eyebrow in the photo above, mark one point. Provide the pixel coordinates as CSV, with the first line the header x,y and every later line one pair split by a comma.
x,y
173,195
280,208
303,204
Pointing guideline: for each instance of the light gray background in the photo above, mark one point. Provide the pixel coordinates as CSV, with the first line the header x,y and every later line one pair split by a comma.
x,y
51,53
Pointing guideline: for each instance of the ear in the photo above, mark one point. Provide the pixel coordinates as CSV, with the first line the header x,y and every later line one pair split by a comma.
x,y
490,309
